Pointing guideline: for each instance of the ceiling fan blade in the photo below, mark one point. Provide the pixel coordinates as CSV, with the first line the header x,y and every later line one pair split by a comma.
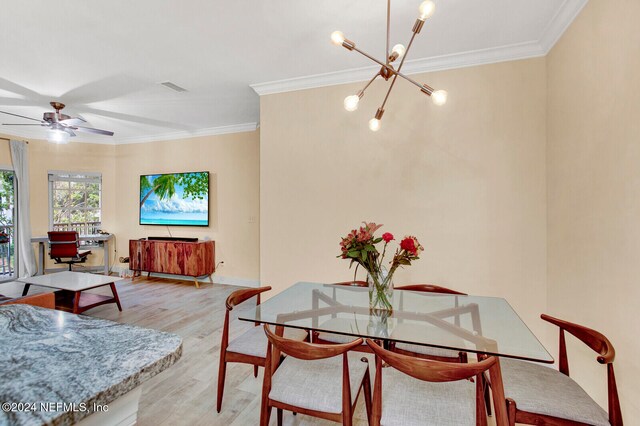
x,y
92,130
21,124
135,119
73,121
21,116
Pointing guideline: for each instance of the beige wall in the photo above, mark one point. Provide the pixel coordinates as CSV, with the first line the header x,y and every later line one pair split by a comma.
x,y
233,161
594,190
77,157
468,179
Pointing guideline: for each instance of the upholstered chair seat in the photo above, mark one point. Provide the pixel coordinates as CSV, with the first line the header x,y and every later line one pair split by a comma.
x,y
410,391
254,342
316,384
543,390
407,401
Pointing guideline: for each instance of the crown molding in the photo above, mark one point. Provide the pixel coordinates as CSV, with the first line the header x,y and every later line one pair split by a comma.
x,y
415,66
532,49
212,131
560,22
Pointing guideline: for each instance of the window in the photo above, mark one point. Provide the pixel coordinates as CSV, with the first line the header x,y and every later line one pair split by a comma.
x,y
75,202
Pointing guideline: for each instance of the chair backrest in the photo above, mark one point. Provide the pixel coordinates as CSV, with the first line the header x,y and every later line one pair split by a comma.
x,y
233,300
63,244
429,288
239,296
308,351
432,288
606,354
437,371
353,283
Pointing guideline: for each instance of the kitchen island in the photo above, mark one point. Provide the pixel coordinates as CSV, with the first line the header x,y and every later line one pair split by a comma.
x,y
58,368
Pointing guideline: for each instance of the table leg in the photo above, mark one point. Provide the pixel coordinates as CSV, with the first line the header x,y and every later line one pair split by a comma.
x,y
275,359
25,290
76,302
107,256
115,295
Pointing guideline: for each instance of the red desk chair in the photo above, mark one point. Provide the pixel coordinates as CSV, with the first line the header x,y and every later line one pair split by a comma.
x,y
63,248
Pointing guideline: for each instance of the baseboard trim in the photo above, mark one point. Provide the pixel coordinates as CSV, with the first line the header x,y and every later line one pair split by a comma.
x,y
217,279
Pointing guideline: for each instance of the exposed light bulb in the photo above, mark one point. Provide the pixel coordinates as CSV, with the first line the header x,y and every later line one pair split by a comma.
x,y
58,136
337,38
374,124
351,102
399,49
439,97
426,9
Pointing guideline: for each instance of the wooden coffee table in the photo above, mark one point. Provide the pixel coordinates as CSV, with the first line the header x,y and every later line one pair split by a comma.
x,y
71,285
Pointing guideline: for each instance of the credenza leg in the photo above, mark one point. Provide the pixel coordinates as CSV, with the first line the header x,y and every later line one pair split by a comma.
x,y
196,281
210,279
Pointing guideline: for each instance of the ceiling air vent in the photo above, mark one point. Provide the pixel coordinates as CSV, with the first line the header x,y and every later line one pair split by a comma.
x,y
173,86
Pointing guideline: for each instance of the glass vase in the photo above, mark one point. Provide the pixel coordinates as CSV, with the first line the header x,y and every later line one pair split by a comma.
x,y
380,290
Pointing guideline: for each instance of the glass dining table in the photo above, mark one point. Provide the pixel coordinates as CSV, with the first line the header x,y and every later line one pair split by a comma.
x,y
478,324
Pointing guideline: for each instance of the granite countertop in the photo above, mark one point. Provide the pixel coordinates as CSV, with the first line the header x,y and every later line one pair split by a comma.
x,y
49,356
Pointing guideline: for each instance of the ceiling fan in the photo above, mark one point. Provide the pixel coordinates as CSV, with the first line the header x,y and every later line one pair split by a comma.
x,y
61,126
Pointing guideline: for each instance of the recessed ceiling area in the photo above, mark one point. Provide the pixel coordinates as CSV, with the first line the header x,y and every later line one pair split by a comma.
x,y
107,60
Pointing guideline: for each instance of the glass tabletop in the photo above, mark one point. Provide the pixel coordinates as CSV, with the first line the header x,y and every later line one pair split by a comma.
x,y
486,325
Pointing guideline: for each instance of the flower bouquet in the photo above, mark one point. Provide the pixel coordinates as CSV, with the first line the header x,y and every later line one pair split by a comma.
x,y
360,246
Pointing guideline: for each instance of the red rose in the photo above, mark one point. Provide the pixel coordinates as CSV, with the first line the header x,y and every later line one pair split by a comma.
x,y
387,236
409,245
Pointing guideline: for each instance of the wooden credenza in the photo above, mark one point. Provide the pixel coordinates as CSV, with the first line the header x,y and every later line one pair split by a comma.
x,y
193,259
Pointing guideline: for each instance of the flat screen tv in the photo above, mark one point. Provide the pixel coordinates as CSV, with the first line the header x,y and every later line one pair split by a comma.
x,y
176,199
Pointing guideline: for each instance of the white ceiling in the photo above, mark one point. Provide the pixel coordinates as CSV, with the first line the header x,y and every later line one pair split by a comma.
x,y
105,59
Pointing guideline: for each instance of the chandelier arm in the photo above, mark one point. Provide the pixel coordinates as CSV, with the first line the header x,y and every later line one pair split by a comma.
x,y
395,77
365,54
369,83
391,70
406,52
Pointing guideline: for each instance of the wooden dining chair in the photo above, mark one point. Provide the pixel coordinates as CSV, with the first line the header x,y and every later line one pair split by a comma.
x,y
326,338
420,351
251,346
540,395
323,381
429,352
415,391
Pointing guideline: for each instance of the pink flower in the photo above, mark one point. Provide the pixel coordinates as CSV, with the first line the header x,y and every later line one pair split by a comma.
x,y
387,237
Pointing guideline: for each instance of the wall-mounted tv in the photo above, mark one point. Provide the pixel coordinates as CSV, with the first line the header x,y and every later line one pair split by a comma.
x,y
176,199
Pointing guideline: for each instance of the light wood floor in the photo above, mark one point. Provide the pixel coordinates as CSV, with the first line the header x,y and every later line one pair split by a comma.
x,y
185,394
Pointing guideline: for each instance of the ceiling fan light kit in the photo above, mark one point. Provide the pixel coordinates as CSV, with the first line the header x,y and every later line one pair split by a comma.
x,y
387,70
60,127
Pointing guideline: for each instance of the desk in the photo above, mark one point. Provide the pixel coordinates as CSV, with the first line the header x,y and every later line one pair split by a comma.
x,y
104,238
483,325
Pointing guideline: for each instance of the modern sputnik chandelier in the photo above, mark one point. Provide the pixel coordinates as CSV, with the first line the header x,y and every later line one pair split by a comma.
x,y
387,70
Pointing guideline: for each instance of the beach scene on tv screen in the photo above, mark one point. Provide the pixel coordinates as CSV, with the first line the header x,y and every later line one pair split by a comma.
x,y
175,199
